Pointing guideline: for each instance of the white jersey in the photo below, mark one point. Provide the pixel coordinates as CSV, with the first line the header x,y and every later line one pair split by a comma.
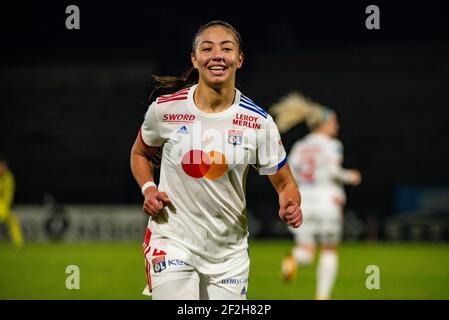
x,y
204,165
316,163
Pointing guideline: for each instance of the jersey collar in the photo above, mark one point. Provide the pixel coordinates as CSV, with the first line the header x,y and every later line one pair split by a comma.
x,y
193,108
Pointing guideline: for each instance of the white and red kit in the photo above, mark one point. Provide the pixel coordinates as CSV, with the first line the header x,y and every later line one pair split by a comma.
x,y
205,160
316,163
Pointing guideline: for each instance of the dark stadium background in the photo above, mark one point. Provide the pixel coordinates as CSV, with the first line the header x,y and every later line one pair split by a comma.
x,y
73,100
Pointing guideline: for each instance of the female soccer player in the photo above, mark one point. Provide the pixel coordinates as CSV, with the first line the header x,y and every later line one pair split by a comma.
x,y
316,165
197,237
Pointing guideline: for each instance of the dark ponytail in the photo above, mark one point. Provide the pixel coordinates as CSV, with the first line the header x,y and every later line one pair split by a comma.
x,y
169,84
188,78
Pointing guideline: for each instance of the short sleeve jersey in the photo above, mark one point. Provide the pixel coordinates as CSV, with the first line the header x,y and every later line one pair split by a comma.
x,y
315,162
205,160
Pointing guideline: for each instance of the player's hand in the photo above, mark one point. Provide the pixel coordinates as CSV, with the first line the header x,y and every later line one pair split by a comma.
x,y
165,200
356,177
291,213
153,202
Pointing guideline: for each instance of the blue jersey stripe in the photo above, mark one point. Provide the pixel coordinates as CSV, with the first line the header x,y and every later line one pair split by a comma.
x,y
252,109
248,101
282,163
246,98
274,169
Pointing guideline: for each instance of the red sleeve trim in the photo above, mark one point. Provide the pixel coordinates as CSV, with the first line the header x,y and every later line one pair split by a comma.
x,y
141,139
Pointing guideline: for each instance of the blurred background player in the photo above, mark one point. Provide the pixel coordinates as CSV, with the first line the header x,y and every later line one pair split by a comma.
x,y
7,189
316,163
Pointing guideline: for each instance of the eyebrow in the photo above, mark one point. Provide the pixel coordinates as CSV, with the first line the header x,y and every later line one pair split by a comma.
x,y
222,42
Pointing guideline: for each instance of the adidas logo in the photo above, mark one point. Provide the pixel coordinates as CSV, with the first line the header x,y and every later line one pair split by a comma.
x,y
183,129
243,291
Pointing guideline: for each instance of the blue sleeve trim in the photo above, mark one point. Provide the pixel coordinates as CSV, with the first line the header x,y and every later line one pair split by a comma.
x,y
273,170
282,163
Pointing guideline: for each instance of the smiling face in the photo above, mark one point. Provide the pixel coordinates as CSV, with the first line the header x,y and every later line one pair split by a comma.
x,y
217,56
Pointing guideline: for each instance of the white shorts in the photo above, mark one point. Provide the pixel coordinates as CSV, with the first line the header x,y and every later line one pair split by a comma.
x,y
225,280
322,223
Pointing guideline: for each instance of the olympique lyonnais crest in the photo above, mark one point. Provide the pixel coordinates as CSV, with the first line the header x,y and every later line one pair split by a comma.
x,y
235,137
159,264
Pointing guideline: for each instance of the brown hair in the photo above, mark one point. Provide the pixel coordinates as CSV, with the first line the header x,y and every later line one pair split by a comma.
x,y
191,76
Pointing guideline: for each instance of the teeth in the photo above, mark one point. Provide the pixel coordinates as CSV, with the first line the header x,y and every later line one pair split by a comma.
x,y
216,68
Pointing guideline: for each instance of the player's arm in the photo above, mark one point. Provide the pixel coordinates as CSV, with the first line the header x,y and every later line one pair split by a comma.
x,y
289,196
142,170
294,161
345,176
340,174
141,166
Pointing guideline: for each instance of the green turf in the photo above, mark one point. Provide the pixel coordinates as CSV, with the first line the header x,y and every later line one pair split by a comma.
x,y
407,271
116,271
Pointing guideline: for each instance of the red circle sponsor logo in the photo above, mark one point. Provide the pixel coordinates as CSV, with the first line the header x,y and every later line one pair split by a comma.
x,y
198,164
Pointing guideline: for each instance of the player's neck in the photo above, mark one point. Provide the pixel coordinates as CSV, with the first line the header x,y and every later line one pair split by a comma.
x,y
321,133
213,100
